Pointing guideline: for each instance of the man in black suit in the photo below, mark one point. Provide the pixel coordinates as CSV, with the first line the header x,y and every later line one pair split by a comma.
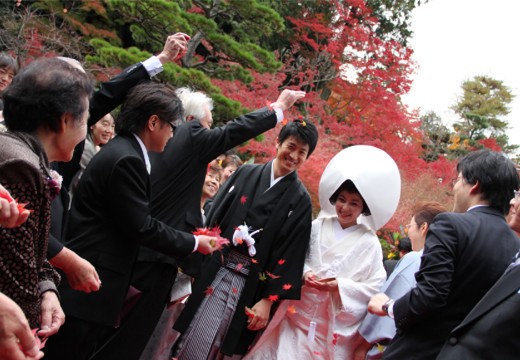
x,y
465,254
177,177
110,219
490,331
80,274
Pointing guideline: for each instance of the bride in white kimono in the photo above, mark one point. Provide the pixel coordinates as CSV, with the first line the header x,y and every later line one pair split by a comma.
x,y
359,191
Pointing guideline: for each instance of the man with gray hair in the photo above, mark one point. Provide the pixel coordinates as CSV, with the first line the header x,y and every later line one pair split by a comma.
x,y
197,106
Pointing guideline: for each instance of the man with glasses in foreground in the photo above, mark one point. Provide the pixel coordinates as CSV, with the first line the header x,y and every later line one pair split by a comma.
x,y
111,218
465,253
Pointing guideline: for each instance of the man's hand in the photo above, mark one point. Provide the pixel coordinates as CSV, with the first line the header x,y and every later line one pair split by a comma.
x,y
174,48
10,216
261,312
52,316
81,275
287,99
16,339
375,305
207,244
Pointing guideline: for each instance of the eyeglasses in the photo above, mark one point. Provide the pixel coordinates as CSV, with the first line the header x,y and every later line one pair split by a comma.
x,y
407,227
174,124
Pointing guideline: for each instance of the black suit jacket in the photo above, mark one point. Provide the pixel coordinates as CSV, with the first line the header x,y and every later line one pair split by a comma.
x,y
177,177
464,255
178,173
110,218
109,96
491,329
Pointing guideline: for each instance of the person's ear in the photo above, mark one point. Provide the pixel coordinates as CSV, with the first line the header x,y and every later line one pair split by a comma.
x,y
65,121
424,228
475,189
153,122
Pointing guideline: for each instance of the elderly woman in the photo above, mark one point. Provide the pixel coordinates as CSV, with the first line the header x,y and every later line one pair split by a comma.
x,y
359,191
45,110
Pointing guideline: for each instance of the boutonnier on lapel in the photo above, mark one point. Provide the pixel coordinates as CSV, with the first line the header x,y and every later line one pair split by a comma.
x,y
54,180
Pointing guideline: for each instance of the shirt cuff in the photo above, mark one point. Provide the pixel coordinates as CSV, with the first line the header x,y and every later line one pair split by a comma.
x,y
47,285
152,66
391,309
279,113
196,243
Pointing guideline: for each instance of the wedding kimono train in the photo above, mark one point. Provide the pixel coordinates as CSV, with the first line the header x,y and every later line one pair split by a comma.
x,y
322,324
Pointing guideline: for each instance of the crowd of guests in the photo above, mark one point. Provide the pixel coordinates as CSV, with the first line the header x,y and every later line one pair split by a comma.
x,y
147,237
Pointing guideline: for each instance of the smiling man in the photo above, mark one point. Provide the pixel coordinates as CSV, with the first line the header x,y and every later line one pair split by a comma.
x,y
273,210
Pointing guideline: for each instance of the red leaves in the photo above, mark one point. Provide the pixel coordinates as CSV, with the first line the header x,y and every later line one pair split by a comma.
x,y
271,275
243,199
250,313
215,232
287,287
209,291
254,261
291,309
273,298
20,206
281,261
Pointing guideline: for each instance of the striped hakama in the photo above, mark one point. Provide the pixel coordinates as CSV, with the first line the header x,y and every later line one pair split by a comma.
x,y
204,336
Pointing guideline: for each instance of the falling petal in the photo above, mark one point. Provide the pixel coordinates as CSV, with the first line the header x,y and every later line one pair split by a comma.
x,y
281,261
287,286
271,275
273,298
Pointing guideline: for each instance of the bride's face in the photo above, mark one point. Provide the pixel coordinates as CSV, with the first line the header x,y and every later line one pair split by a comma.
x,y
348,208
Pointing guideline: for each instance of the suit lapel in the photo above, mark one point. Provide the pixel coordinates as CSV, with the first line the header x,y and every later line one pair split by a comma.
x,y
508,284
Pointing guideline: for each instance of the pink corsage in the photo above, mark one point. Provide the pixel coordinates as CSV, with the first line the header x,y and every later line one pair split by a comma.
x,y
54,181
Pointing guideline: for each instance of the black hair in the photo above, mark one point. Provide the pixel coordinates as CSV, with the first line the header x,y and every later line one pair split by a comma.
x,y
7,61
405,245
147,99
42,93
496,175
303,130
349,186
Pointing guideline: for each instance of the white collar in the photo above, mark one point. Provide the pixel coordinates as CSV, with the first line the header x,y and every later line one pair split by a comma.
x,y
273,180
145,154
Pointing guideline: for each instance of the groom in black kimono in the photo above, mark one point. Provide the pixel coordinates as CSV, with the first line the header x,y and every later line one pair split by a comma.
x,y
275,208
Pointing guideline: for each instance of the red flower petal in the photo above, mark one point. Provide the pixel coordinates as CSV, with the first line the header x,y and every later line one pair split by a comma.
x,y
271,275
243,199
273,298
209,291
281,261
287,286
250,313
